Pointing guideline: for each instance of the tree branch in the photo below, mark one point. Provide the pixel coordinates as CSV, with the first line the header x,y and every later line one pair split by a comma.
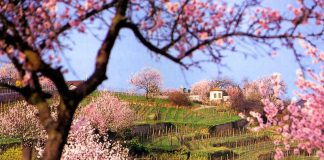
x,y
150,46
99,75
67,26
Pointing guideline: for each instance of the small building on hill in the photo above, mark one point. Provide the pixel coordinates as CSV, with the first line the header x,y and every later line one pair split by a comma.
x,y
217,94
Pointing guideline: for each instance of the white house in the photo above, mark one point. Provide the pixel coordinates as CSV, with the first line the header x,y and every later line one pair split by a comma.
x,y
217,94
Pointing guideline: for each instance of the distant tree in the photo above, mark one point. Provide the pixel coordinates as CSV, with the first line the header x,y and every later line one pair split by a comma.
x,y
149,80
236,99
223,83
202,88
251,89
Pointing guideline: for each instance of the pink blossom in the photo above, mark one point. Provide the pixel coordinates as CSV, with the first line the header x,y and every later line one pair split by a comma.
x,y
107,112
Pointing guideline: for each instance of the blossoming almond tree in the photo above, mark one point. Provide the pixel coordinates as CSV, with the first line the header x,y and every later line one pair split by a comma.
x,y
148,79
107,112
20,121
299,123
33,36
202,89
84,143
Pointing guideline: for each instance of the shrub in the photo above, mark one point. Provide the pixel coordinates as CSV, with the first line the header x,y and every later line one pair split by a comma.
x,y
137,148
179,98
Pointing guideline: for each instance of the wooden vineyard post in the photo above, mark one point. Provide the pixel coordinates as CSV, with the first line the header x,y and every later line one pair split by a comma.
x,y
171,140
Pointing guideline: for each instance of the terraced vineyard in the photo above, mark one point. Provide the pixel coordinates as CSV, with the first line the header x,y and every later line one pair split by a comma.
x,y
169,132
187,134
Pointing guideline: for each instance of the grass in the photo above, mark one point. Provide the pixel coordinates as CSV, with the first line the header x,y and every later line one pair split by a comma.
x,y
164,143
7,140
88,99
204,117
139,98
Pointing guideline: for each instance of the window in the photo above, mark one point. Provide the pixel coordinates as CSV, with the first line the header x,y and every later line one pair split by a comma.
x,y
215,95
219,95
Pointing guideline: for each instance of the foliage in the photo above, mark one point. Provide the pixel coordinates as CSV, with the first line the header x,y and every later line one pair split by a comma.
x,y
12,153
137,148
148,79
107,112
179,98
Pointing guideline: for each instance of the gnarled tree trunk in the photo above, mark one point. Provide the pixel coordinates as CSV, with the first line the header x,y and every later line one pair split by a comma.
x,y
58,134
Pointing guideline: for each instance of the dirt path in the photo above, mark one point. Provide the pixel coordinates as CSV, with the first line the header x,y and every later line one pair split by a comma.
x,y
204,107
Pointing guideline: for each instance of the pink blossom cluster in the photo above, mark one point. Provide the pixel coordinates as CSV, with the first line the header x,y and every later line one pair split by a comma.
x,y
200,21
206,19
21,121
300,12
302,121
266,17
45,21
202,88
107,112
189,25
311,51
8,71
84,143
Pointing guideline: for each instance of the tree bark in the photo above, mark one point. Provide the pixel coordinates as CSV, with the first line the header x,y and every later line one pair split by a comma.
x,y
57,136
27,150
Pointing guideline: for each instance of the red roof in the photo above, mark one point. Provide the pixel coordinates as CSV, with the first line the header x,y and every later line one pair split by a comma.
x,y
74,83
216,89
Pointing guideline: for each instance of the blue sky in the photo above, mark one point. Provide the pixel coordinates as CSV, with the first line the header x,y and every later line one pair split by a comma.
x,y
129,56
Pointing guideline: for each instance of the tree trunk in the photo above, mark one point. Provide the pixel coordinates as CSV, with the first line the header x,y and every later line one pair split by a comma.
x,y
27,150
57,137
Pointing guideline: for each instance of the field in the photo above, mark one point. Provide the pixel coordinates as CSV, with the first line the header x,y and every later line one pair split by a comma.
x,y
165,131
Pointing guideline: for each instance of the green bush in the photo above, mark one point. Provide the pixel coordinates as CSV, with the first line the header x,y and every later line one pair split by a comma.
x,y
137,148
